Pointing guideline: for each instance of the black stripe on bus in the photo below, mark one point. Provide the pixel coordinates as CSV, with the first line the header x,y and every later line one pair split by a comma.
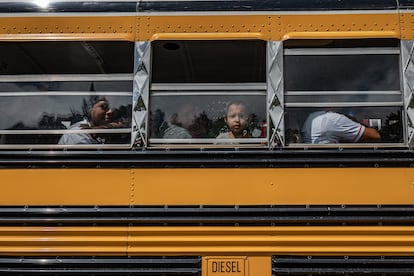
x,y
87,6
208,215
342,265
339,158
266,5
115,265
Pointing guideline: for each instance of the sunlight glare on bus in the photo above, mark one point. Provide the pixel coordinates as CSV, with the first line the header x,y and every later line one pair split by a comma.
x,y
42,3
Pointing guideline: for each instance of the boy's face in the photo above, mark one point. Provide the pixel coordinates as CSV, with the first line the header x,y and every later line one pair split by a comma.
x,y
100,113
236,119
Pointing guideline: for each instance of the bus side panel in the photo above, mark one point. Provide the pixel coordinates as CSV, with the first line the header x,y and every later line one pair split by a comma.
x,y
206,186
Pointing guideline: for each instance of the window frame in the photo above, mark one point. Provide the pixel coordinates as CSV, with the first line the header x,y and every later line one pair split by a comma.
x,y
357,50
146,88
67,78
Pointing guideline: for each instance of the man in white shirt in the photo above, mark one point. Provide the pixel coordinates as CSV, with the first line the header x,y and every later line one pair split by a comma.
x,y
326,127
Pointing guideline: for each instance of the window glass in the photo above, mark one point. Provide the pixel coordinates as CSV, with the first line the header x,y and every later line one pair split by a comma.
x,y
68,57
85,86
342,72
386,120
66,92
203,116
338,97
231,61
343,91
47,113
208,91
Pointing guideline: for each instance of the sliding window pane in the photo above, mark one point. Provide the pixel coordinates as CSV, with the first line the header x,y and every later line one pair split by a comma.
x,y
387,120
66,57
342,72
223,61
202,116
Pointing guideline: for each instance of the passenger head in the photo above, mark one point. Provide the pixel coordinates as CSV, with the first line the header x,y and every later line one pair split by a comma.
x,y
237,118
97,111
185,115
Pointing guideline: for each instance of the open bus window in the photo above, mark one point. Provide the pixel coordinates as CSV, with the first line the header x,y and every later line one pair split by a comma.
x,y
340,92
195,85
45,102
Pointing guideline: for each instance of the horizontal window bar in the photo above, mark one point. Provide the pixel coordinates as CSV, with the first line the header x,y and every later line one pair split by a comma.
x,y
347,145
209,141
345,104
54,146
64,93
66,77
207,93
64,131
306,93
209,86
372,98
341,51
208,146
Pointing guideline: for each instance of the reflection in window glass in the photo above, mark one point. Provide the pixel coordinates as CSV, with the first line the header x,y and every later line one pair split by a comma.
x,y
342,73
338,97
206,89
343,91
47,89
66,57
386,120
53,139
203,116
223,61
95,86
64,112
55,112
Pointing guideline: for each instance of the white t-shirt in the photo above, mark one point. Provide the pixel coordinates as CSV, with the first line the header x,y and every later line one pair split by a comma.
x,y
324,127
77,138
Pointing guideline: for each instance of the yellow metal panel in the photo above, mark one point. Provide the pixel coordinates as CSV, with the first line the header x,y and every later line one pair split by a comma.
x,y
270,27
209,241
65,186
407,25
207,186
205,36
73,28
276,27
150,25
260,266
339,35
358,25
266,241
274,240
275,186
63,240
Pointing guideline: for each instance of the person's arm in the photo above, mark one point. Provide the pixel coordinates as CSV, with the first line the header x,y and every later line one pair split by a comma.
x,y
370,135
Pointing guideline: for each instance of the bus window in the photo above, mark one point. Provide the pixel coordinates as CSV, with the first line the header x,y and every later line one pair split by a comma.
x,y
200,61
340,92
202,116
48,91
195,85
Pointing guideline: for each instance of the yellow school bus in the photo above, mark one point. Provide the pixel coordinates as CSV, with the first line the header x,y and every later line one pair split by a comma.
x,y
211,138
